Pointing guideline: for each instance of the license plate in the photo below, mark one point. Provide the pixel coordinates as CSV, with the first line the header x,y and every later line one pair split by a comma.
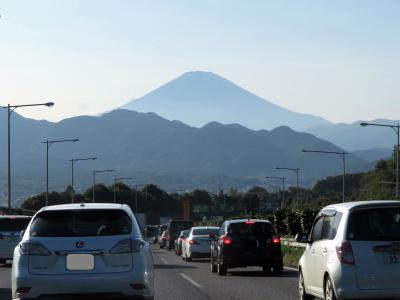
x,y
80,262
391,258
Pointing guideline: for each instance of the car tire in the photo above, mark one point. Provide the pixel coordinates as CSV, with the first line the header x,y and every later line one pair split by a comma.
x,y
267,269
188,258
221,268
302,290
278,268
329,291
213,267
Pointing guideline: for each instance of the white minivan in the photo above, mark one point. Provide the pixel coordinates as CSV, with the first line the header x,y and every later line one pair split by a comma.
x,y
353,252
10,234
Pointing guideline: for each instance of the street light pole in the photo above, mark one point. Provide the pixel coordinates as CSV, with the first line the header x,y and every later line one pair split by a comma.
x,y
73,160
343,157
297,181
10,110
94,179
283,187
115,181
396,128
48,145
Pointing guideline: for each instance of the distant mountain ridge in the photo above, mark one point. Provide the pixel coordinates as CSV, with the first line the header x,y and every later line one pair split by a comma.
x,y
197,98
354,137
144,144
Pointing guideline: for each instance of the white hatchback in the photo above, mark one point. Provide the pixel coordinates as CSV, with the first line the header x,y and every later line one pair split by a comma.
x,y
198,243
353,252
83,250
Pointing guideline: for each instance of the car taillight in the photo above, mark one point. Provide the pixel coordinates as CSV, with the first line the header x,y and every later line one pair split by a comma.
x,y
345,253
127,246
226,239
194,242
276,240
33,248
250,222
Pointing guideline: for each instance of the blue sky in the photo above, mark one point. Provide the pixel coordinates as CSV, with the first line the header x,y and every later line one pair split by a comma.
x,y
336,59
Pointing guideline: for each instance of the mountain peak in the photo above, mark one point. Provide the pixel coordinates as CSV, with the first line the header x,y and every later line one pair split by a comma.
x,y
200,97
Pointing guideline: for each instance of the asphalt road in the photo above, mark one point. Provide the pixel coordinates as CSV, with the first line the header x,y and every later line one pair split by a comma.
x,y
176,279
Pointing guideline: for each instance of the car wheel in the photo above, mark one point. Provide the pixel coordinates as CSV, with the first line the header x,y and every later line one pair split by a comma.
x,y
278,268
329,290
212,265
302,290
188,258
267,269
221,268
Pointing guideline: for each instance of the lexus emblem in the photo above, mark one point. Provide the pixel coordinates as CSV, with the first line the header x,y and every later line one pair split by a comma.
x,y
80,244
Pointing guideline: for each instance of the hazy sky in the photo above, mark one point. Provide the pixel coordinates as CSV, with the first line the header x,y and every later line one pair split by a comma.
x,y
336,59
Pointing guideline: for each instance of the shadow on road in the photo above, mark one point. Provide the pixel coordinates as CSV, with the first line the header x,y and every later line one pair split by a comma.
x,y
5,294
167,267
290,274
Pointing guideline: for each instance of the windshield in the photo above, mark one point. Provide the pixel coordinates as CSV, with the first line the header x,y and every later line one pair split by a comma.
x,y
11,224
378,224
71,223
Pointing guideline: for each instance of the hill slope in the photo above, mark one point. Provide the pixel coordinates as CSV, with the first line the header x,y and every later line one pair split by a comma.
x,y
148,147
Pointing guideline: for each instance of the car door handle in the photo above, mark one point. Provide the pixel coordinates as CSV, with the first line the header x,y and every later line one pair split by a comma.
x,y
325,250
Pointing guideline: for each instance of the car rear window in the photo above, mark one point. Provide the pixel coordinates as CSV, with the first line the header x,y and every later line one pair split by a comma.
x,y
251,228
205,231
11,224
378,224
71,223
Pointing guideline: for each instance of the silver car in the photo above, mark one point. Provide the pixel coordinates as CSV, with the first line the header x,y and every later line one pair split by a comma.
x,y
83,250
353,252
10,234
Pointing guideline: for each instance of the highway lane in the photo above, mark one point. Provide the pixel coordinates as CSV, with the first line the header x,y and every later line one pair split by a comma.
x,y
176,279
245,283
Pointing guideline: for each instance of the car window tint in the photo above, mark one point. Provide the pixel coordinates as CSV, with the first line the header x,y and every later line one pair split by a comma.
x,y
316,232
13,224
222,229
70,223
377,224
335,225
326,228
205,231
256,229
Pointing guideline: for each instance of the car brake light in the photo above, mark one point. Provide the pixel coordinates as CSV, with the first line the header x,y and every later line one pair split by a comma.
x,y
276,240
194,242
127,246
250,222
345,253
23,289
33,248
226,240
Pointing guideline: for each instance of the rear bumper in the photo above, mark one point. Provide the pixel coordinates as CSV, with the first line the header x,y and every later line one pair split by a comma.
x,y
233,259
110,285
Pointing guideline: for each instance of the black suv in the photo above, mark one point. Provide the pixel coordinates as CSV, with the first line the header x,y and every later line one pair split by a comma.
x,y
174,228
243,243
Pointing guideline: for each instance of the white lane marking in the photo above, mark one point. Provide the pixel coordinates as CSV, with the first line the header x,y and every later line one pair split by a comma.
x,y
190,280
164,261
290,269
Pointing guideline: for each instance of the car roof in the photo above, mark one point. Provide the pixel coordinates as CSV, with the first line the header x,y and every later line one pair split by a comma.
x,y
246,220
14,217
84,206
361,204
205,227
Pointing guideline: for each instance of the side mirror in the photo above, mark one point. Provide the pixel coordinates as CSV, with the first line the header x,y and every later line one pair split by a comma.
x,y
22,233
301,238
212,236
